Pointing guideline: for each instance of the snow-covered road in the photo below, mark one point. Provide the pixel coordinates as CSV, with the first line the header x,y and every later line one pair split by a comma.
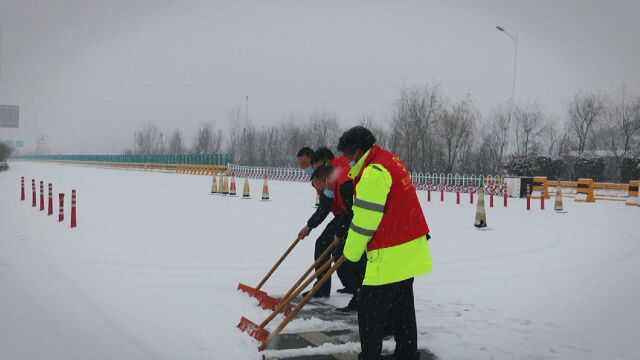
x,y
151,272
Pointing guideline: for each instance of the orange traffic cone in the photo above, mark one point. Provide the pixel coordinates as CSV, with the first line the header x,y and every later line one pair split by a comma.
x,y
232,189
265,189
481,214
246,194
557,206
219,180
214,184
225,185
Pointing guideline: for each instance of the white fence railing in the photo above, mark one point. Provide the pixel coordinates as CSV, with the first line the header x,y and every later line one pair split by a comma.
x,y
422,181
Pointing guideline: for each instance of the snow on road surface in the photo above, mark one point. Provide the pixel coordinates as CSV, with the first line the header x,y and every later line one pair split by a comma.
x,y
152,269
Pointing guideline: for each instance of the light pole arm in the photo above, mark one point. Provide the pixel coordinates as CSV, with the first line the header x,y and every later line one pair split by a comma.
x,y
515,63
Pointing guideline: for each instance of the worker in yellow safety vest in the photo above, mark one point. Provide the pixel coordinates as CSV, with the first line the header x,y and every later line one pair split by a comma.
x,y
389,225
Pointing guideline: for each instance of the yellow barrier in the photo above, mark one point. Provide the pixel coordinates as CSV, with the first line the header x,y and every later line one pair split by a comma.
x,y
540,184
633,199
585,191
200,169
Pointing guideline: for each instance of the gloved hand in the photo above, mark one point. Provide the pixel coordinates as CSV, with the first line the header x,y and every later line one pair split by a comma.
x,y
338,249
304,232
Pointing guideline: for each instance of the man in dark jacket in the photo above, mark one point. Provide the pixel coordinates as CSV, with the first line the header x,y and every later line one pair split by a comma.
x,y
304,160
326,180
326,205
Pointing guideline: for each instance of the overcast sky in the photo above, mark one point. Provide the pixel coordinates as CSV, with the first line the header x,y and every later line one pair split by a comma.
x,y
89,73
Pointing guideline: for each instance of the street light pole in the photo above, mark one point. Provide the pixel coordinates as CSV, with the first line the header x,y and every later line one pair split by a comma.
x,y
515,62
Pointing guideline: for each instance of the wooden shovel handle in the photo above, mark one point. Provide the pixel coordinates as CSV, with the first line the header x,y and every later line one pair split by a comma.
x,y
266,277
297,292
313,266
306,299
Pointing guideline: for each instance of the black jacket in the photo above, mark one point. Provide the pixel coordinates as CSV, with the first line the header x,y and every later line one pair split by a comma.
x,y
341,221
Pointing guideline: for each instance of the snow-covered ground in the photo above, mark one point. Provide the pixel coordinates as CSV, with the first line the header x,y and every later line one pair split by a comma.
x,y
152,269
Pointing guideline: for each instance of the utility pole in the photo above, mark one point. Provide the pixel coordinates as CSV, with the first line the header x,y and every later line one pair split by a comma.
x,y
247,108
515,62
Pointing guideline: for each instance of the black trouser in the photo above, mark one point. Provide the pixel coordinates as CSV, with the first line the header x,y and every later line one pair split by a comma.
x,y
388,303
350,273
322,242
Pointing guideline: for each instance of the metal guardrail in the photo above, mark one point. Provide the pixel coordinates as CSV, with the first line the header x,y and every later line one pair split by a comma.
x,y
422,181
272,173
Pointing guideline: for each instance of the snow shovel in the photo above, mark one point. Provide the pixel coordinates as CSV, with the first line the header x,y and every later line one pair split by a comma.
x,y
298,307
258,332
270,303
256,292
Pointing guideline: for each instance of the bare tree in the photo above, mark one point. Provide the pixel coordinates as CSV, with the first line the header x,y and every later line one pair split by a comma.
x,y
5,151
501,130
528,125
381,134
622,124
175,143
217,140
208,141
584,111
414,125
551,137
203,140
487,154
324,129
456,126
148,141
624,115
236,124
564,143
293,136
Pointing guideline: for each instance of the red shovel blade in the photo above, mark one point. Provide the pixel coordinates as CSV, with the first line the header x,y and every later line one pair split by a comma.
x,y
251,291
271,303
252,329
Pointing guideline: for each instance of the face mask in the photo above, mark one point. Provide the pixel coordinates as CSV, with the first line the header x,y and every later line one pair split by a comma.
x,y
308,171
329,193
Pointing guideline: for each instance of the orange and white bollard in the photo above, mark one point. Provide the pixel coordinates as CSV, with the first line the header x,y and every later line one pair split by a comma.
x,y
50,208
41,195
429,193
491,192
33,193
528,197
457,195
61,202
22,188
74,221
442,193
542,200
505,194
265,189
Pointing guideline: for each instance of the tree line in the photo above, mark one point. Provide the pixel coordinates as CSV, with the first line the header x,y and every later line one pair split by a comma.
x,y
433,134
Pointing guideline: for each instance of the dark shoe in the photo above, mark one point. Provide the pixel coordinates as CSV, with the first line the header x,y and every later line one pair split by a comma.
x,y
344,310
316,295
345,291
351,307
